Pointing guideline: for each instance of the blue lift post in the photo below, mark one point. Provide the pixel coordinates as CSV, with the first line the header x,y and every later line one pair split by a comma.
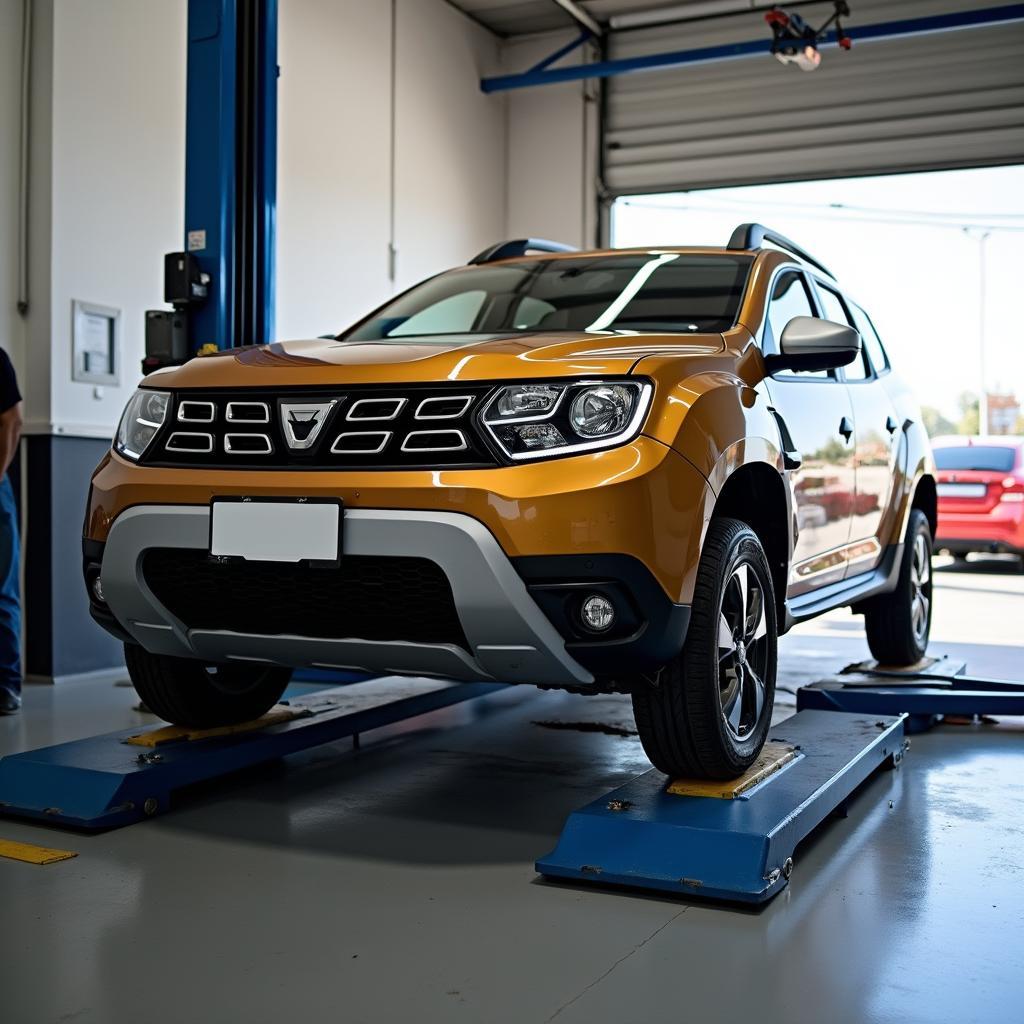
x,y
231,167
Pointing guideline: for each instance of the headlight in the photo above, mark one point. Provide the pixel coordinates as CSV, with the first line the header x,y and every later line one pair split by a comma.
x,y
535,421
143,417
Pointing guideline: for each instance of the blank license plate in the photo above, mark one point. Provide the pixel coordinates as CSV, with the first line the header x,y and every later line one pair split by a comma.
x,y
276,531
961,490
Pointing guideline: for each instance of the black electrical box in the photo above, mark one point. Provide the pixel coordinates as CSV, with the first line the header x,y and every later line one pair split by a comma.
x,y
184,282
166,338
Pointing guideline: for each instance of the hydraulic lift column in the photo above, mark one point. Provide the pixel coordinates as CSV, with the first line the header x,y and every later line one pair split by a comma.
x,y
222,284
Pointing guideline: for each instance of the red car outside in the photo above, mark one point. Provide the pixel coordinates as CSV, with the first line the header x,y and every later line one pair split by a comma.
x,y
981,494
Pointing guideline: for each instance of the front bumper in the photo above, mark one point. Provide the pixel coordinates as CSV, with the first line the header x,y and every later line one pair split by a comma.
x,y
509,638
508,630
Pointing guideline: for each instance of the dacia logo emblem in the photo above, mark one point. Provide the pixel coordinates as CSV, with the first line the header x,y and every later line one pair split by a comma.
x,y
303,421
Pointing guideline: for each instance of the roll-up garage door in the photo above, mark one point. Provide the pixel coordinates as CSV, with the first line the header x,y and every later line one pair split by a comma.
x,y
949,99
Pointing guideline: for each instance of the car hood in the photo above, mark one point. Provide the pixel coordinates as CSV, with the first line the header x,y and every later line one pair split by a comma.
x,y
431,359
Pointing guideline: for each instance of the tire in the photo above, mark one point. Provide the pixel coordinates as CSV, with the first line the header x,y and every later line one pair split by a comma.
x,y
190,693
898,623
707,713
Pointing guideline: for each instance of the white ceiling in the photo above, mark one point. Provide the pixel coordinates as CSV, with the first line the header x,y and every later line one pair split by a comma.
x,y
521,17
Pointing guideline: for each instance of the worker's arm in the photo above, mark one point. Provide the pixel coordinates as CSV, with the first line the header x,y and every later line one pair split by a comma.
x,y
10,433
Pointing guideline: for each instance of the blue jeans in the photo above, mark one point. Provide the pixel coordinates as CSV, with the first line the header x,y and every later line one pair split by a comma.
x,y
10,592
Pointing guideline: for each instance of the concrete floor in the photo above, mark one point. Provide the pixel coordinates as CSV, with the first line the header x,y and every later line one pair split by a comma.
x,y
396,883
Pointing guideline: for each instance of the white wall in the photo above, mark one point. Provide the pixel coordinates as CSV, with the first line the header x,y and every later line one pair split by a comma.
x,y
108,124
552,147
118,130
335,154
334,101
12,333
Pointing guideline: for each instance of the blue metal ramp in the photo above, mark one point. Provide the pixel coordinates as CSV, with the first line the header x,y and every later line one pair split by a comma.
x,y
738,847
925,693
121,777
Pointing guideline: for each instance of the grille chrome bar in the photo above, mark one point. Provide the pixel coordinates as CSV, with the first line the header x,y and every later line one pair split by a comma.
x,y
179,442
396,405
341,449
196,412
460,444
235,444
444,400
238,412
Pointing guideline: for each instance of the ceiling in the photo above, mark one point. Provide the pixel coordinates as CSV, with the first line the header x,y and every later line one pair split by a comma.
x,y
522,17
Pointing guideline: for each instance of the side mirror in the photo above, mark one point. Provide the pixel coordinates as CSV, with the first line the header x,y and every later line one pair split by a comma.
x,y
808,343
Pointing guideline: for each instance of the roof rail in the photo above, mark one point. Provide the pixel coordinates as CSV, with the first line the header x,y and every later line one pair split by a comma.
x,y
753,236
519,247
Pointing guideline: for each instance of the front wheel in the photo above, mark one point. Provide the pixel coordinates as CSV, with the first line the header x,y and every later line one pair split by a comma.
x,y
707,714
189,693
898,623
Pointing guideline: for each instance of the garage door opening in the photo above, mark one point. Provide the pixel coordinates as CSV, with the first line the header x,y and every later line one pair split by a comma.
x,y
933,256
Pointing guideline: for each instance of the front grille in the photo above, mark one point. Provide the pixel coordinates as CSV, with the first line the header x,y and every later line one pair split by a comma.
x,y
404,427
367,597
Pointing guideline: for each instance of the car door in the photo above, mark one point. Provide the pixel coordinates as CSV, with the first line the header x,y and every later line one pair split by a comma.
x,y
876,435
817,413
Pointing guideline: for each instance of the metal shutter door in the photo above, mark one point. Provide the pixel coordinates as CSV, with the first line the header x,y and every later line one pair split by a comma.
x,y
952,99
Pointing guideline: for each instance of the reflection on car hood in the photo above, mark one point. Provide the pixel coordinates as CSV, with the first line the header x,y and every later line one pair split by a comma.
x,y
432,358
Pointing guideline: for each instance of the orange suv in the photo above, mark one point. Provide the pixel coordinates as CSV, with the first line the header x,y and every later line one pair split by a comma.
x,y
624,471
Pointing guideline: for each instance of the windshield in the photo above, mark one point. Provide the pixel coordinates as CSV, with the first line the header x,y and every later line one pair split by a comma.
x,y
977,457
671,292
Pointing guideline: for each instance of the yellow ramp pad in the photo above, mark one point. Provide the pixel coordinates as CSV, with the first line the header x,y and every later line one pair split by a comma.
x,y
33,854
773,757
179,733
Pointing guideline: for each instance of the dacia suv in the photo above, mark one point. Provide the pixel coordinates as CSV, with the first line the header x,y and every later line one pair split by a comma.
x,y
617,471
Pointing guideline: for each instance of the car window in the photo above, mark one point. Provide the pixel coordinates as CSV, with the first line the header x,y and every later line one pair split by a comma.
x,y
834,308
532,313
655,291
993,459
453,315
790,298
869,338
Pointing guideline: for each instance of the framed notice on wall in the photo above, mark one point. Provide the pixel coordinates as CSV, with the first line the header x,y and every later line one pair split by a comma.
x,y
95,343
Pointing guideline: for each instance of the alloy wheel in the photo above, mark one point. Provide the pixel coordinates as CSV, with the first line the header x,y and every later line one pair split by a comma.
x,y
742,651
920,589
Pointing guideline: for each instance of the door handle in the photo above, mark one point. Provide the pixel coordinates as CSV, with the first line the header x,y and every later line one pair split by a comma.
x,y
891,425
846,427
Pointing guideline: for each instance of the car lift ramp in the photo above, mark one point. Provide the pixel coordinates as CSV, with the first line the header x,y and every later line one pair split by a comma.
x,y
121,777
732,840
925,692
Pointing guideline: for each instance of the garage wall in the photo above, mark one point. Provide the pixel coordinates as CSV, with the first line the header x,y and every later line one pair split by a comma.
x,y
118,171
351,180
552,147
11,325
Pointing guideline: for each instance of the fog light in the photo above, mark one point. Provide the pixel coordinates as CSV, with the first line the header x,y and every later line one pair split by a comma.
x,y
97,589
597,613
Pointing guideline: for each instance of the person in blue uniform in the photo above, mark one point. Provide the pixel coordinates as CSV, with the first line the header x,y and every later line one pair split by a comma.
x,y
10,589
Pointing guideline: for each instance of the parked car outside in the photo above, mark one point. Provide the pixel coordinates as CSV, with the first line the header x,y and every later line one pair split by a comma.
x,y
981,494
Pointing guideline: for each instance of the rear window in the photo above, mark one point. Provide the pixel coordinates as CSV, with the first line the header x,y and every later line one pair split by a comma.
x,y
979,457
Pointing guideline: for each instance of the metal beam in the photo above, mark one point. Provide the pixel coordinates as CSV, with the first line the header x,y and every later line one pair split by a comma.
x,y
230,167
903,28
582,18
